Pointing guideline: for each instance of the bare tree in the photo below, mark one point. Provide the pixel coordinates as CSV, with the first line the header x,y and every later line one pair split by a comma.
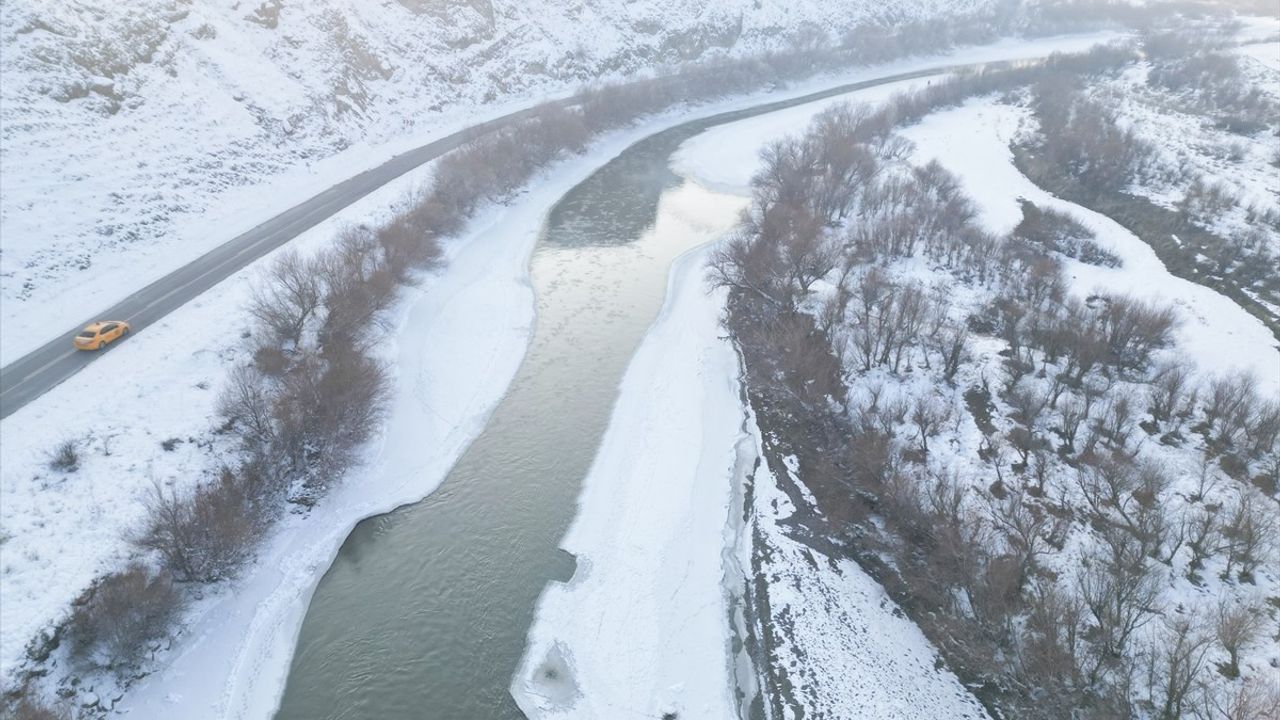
x,y
1236,628
929,413
1120,592
1176,662
1229,406
951,342
287,296
1172,393
246,399
745,263
1025,528
1250,531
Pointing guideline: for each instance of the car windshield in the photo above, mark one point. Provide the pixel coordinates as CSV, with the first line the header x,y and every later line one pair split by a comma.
x,y
88,333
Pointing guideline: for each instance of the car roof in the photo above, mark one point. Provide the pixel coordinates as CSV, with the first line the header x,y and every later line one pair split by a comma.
x,y
98,325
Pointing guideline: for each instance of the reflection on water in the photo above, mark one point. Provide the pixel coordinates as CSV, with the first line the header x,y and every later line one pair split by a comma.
x,y
425,610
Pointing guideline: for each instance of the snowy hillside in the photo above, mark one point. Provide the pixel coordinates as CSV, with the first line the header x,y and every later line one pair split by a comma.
x,y
148,132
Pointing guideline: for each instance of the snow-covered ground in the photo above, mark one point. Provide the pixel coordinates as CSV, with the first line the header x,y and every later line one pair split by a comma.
x,y
973,142
1266,54
642,627
842,643
1189,145
138,135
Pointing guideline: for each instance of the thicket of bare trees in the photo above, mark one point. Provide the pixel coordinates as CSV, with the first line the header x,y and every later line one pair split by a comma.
x,y
1061,233
1209,77
1081,136
1088,153
816,307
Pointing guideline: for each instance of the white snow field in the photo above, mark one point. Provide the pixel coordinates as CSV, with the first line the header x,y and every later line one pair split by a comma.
x,y
642,627
1265,54
146,133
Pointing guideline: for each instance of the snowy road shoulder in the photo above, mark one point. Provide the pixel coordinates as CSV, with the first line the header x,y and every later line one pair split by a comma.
x,y
642,629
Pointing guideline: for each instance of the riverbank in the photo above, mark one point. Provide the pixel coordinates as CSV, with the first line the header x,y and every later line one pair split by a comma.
x,y
641,628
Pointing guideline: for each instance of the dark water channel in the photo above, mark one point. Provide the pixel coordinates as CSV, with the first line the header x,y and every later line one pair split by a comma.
x,y
424,611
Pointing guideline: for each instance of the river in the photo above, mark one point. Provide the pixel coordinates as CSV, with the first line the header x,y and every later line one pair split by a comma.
x,y
425,610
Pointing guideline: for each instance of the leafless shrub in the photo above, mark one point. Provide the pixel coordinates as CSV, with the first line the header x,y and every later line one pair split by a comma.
x,y
65,456
359,285
1263,430
1215,82
1206,201
1116,420
1119,590
1230,402
1061,233
885,319
323,410
1073,415
1082,136
1133,328
1052,653
929,413
204,535
113,621
950,342
1025,529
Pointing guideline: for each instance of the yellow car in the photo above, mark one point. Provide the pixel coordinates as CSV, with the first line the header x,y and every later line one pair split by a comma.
x,y
96,335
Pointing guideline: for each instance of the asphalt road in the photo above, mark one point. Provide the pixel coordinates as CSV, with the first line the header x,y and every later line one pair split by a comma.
x,y
36,373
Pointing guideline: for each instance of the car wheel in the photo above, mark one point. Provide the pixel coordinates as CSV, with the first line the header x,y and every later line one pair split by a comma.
x,y
100,344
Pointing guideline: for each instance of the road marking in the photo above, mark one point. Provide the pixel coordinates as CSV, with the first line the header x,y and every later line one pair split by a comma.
x,y
45,366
